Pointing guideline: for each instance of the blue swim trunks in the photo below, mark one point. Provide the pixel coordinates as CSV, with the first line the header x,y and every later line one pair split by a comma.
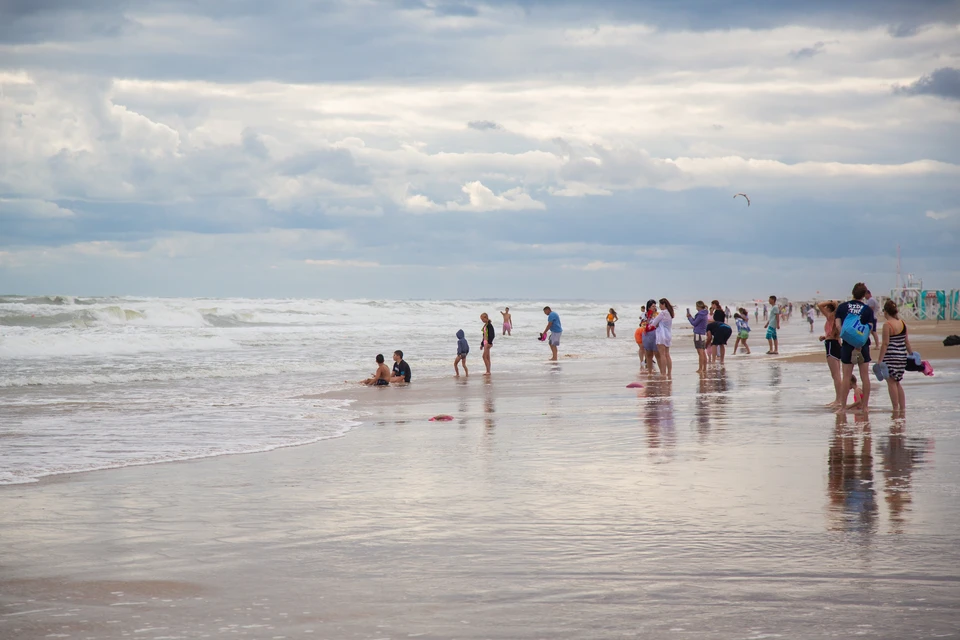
x,y
771,333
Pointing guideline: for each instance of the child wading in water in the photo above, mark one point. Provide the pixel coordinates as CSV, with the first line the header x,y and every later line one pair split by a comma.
x,y
743,330
462,350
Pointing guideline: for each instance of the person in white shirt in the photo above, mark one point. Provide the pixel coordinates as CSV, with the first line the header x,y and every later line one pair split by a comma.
x,y
664,328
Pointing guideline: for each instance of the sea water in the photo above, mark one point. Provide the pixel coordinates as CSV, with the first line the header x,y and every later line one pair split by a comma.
x,y
94,383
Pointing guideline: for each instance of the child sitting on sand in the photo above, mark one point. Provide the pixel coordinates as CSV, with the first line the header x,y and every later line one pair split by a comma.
x,y
857,393
381,377
462,350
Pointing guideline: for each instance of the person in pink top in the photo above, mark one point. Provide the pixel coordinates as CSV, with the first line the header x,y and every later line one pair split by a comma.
x,y
831,342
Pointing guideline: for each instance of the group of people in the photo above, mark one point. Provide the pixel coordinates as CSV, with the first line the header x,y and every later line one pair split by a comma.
x,y
711,333
383,376
849,331
551,334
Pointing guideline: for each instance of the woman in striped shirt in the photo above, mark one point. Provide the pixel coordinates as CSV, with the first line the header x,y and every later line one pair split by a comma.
x,y
893,352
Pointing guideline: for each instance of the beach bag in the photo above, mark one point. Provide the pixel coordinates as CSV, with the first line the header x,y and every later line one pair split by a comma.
x,y
854,332
951,341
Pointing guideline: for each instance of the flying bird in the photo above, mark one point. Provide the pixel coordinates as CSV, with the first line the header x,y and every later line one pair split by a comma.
x,y
745,196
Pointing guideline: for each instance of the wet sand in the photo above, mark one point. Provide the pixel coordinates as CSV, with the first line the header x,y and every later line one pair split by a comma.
x,y
926,336
557,504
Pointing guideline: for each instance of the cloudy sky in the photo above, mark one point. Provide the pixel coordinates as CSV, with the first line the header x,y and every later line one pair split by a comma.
x,y
399,148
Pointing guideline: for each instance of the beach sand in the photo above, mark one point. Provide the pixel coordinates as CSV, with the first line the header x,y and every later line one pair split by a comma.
x,y
926,336
556,504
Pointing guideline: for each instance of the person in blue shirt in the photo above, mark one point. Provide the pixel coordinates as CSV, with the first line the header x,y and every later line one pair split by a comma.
x,y
553,326
850,355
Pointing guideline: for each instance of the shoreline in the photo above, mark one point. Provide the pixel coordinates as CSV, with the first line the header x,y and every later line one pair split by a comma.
x,y
558,503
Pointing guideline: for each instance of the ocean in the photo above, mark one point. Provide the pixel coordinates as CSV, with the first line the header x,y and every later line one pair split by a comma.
x,y
103,382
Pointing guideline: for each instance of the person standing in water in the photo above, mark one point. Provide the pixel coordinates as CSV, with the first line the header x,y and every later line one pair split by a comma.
x,y
612,323
650,337
462,350
663,326
553,326
773,323
831,343
699,323
893,352
743,330
638,336
851,355
507,321
487,340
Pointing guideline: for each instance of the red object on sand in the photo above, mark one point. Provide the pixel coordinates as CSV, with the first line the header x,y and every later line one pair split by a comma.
x,y
634,385
441,418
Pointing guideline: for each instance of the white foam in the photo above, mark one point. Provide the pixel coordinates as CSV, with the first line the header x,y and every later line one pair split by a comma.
x,y
95,383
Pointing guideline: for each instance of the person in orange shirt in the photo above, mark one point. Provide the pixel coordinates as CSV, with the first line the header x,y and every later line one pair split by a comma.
x,y
638,336
612,323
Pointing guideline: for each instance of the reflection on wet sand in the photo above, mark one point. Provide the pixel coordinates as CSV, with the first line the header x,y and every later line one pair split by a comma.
x,y
900,456
711,402
658,414
851,485
853,505
489,408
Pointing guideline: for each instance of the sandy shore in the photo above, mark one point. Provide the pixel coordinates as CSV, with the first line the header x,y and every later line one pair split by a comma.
x,y
557,504
926,336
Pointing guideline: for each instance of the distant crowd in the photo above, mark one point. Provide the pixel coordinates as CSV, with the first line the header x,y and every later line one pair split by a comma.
x,y
848,329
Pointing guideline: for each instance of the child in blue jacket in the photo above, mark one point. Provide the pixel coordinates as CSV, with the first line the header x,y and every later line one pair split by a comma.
x,y
462,350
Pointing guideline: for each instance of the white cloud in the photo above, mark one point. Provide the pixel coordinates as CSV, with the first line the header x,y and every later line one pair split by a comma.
x,y
942,215
480,198
33,208
342,263
600,265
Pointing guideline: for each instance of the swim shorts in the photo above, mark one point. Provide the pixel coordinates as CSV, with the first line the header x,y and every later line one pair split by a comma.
x,y
382,383
611,324
848,354
743,335
507,327
771,333
833,348
554,340
699,341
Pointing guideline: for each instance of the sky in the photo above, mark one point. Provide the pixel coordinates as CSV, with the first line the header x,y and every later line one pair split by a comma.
x,y
460,149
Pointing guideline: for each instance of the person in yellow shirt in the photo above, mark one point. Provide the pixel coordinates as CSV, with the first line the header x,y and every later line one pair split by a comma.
x,y
612,323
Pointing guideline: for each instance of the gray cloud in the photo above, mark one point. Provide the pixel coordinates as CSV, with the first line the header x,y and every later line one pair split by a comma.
x,y
483,125
943,83
455,9
903,30
365,105
808,52
24,21
704,15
